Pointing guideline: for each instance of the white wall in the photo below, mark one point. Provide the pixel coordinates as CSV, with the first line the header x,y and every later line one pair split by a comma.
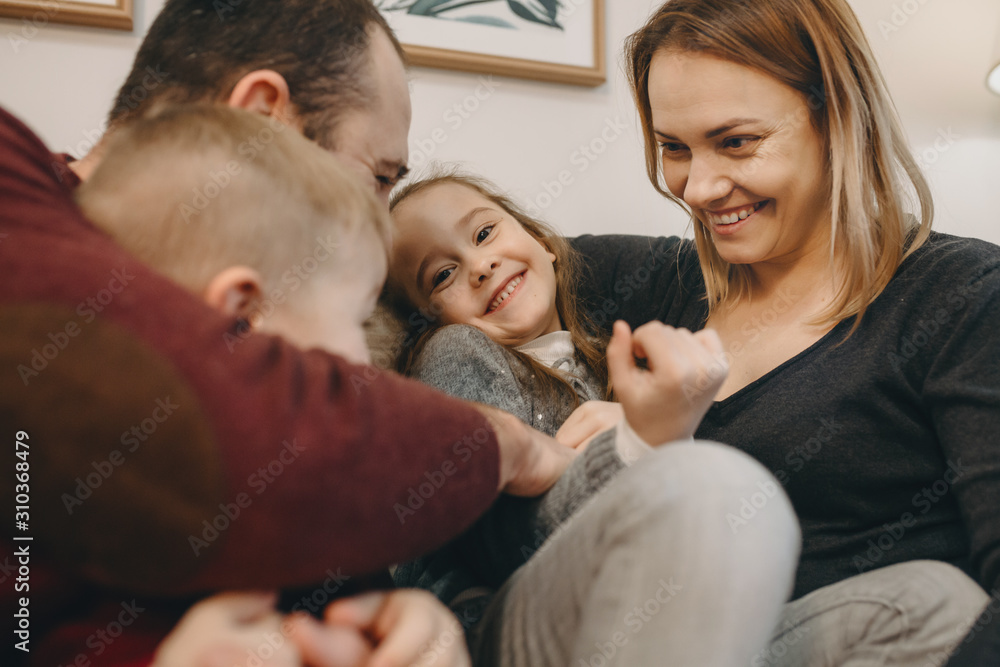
x,y
935,55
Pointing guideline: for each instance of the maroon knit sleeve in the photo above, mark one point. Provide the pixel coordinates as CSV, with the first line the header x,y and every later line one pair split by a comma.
x,y
171,451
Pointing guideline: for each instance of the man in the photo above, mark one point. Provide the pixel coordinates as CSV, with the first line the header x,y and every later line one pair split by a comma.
x,y
163,458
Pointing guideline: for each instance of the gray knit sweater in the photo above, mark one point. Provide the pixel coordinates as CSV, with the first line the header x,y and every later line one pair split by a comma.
x,y
462,361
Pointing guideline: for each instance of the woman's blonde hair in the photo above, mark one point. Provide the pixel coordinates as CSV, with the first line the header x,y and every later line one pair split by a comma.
x,y
818,48
419,325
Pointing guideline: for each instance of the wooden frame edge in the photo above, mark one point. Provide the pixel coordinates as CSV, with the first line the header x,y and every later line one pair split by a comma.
x,y
477,63
118,17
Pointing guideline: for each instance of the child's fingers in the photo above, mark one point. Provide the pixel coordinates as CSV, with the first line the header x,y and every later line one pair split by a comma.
x,y
621,360
668,351
359,611
328,645
422,633
243,607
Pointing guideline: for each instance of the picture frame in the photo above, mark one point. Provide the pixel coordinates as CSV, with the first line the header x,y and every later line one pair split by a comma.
x,y
560,41
114,14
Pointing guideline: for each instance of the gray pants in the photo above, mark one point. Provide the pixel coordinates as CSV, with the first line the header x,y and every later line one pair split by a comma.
x,y
654,570
650,571
911,614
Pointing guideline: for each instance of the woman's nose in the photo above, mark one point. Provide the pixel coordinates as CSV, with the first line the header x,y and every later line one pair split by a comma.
x,y
706,184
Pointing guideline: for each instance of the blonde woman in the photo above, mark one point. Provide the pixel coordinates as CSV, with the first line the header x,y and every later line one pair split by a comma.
x,y
865,372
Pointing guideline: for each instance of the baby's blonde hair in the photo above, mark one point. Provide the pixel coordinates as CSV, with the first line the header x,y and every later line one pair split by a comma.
x,y
198,188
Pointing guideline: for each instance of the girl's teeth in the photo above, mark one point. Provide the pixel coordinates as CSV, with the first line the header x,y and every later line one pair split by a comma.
x,y
505,293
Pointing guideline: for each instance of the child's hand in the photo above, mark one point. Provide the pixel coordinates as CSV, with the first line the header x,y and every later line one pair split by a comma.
x,y
225,629
590,419
666,400
409,628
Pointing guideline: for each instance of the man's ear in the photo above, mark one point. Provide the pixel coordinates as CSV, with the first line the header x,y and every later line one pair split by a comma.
x,y
235,291
264,91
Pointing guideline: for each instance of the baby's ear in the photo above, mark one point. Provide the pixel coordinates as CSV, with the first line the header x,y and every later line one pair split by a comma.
x,y
235,291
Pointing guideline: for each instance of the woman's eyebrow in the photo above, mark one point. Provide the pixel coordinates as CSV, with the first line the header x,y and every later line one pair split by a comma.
x,y
711,134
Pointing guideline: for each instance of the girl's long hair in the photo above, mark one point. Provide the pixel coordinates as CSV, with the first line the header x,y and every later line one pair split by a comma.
x,y
418,325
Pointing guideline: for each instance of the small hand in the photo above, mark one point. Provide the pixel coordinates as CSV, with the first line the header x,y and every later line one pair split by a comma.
x,y
530,461
225,629
409,628
668,399
587,421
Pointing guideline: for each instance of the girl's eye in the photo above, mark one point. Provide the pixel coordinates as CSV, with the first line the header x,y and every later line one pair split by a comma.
x,y
440,277
483,234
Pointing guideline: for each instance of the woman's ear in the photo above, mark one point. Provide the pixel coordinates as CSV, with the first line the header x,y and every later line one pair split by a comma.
x,y
552,257
266,92
235,292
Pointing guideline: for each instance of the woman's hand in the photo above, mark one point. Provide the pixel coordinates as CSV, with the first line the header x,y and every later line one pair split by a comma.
x,y
408,627
666,400
587,421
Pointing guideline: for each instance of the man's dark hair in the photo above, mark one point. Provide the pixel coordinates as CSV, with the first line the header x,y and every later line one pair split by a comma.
x,y
197,50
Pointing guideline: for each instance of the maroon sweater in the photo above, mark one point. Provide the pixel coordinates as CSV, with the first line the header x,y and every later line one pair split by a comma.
x,y
169,455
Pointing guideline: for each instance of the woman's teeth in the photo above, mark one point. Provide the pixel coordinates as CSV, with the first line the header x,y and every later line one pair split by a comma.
x,y
502,296
734,217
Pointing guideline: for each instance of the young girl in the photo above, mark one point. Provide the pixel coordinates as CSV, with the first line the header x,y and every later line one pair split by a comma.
x,y
464,255
527,347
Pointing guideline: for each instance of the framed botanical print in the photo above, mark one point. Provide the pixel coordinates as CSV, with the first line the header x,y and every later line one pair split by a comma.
x,y
547,40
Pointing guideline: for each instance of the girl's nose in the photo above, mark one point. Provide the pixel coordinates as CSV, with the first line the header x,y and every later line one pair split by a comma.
x,y
483,270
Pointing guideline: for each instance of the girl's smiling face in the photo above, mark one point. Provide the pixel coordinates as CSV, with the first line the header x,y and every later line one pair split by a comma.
x,y
466,260
739,147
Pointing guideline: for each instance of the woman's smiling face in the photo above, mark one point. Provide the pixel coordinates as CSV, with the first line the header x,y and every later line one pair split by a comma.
x,y
738,146
468,261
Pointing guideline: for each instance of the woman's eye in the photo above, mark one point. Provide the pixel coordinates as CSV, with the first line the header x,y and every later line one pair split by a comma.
x,y
739,142
483,234
440,277
670,150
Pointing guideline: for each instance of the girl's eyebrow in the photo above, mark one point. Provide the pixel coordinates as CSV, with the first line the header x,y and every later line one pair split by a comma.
x,y
462,222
